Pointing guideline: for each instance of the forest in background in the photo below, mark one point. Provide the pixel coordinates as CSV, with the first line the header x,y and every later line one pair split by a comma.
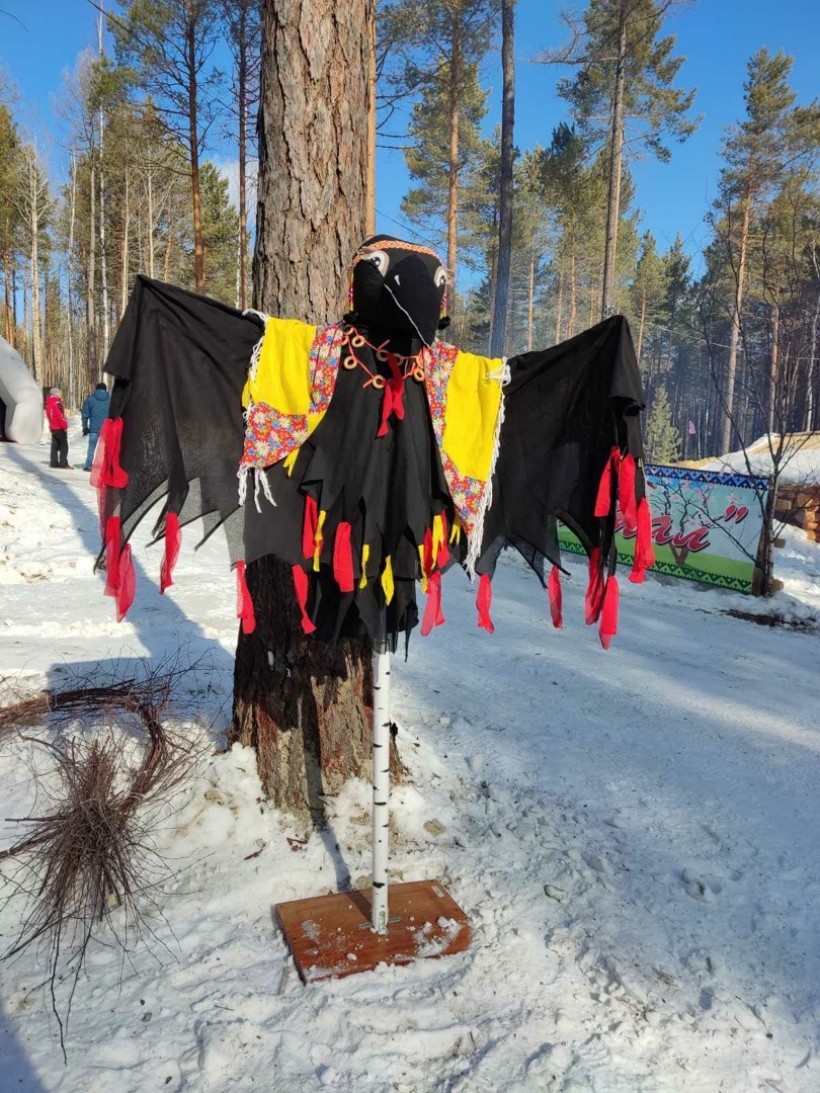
x,y
541,242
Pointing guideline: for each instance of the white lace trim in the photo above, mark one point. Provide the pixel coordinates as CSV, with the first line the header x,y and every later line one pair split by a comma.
x,y
502,376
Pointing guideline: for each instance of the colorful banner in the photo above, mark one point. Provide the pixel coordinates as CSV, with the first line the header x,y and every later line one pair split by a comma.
x,y
705,526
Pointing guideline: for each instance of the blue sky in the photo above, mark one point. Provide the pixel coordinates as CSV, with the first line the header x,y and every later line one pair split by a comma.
x,y
716,36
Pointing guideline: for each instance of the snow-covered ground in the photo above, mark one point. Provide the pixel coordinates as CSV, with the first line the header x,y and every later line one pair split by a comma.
x,y
634,835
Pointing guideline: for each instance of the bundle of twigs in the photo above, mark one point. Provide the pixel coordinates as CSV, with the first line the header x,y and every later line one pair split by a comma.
x,y
91,851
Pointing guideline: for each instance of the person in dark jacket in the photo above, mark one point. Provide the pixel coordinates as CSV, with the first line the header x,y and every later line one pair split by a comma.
x,y
94,412
58,424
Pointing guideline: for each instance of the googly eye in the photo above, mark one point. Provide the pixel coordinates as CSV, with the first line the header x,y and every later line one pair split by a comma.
x,y
378,258
440,277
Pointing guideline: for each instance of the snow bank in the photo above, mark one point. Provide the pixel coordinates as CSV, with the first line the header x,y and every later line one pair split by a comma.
x,y
800,463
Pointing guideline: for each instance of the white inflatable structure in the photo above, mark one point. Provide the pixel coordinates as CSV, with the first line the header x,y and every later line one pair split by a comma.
x,y
22,397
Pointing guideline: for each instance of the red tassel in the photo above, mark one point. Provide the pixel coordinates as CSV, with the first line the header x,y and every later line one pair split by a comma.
x,y
595,588
644,552
343,558
556,598
106,469
626,491
301,584
113,548
128,582
244,603
429,561
173,539
433,615
483,602
387,409
603,502
609,614
310,522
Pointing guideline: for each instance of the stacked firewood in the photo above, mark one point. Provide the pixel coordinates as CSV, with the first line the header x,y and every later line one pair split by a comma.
x,y
800,505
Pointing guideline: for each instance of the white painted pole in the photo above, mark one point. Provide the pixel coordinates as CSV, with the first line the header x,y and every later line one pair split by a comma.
x,y
381,788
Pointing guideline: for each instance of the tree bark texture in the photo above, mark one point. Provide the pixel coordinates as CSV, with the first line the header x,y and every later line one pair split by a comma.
x,y
616,146
193,141
242,100
312,154
304,705
505,218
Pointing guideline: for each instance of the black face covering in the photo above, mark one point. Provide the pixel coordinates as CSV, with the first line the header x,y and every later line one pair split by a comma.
x,y
398,287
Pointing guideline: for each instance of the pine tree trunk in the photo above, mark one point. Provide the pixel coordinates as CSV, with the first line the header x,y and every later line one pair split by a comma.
x,y
453,163
242,102
304,705
531,302
34,228
559,307
193,144
641,325
9,333
370,215
616,146
774,363
505,219
734,337
90,301
126,219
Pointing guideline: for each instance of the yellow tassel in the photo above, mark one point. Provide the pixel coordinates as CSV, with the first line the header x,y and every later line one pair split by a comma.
x,y
318,540
290,461
438,535
387,580
423,574
455,533
365,557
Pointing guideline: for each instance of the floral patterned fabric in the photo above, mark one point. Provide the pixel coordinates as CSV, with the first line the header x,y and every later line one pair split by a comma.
x,y
271,435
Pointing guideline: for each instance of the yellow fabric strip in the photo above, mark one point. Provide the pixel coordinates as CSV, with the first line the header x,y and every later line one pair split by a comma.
x,y
289,462
365,558
282,376
473,403
318,540
423,574
388,586
455,533
438,535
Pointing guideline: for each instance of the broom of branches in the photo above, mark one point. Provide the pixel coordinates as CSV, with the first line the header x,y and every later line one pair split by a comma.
x,y
92,852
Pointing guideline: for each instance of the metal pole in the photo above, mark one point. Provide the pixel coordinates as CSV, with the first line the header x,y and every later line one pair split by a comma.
x,y
381,788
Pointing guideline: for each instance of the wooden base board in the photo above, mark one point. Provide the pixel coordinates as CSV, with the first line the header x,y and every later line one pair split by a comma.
x,y
330,936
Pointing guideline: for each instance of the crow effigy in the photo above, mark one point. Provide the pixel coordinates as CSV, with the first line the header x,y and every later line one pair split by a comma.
x,y
371,455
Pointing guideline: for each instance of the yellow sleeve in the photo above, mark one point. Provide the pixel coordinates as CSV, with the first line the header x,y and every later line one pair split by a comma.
x,y
281,376
473,404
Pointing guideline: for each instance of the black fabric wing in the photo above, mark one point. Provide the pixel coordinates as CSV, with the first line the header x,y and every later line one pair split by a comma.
x,y
565,409
180,362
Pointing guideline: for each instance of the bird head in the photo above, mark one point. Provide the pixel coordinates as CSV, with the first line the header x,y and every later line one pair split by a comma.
x,y
399,287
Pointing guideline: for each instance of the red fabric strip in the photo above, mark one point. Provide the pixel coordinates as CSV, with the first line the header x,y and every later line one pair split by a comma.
x,y
343,557
106,469
173,539
626,491
113,547
244,602
310,522
595,588
609,614
603,502
433,615
301,585
556,598
429,560
644,552
387,409
397,383
483,602
128,582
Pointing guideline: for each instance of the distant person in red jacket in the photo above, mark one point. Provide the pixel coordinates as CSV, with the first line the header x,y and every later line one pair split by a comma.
x,y
58,423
